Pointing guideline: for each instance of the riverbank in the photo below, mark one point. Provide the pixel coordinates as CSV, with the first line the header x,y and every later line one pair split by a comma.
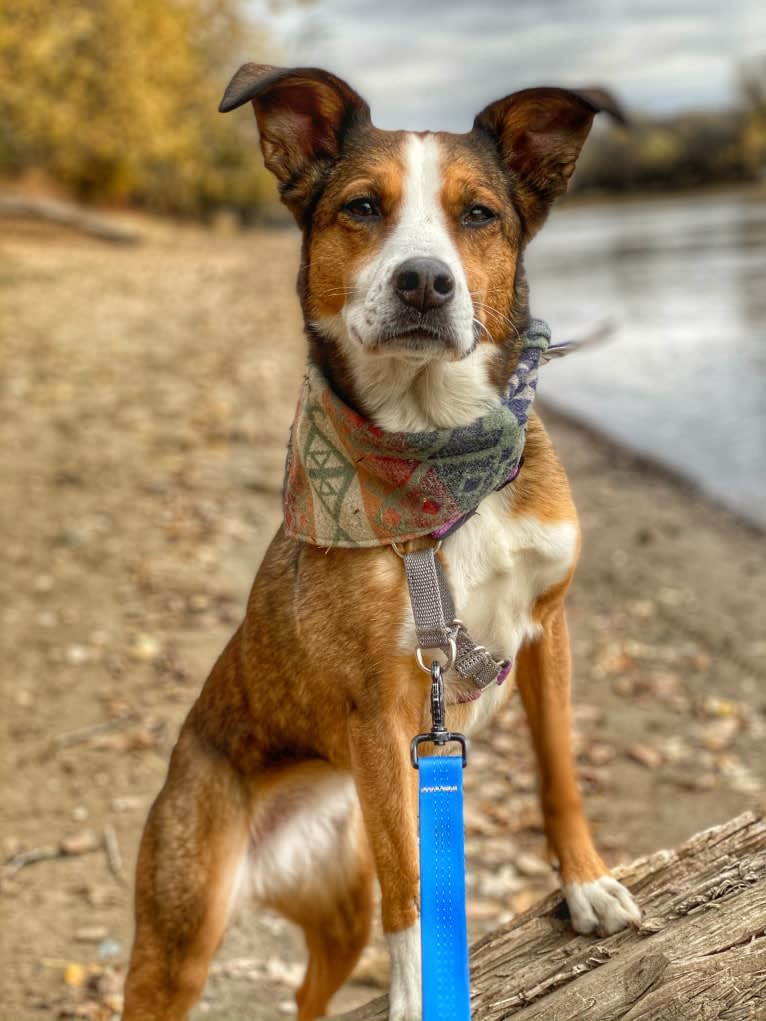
x,y
681,378
146,402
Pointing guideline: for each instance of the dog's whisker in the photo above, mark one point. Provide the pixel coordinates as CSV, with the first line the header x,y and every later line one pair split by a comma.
x,y
493,311
481,326
494,316
334,292
499,317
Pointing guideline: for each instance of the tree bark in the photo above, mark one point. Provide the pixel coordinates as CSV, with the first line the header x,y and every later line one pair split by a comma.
x,y
699,955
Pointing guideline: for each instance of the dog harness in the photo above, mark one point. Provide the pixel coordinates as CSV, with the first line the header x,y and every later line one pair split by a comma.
x,y
437,625
350,483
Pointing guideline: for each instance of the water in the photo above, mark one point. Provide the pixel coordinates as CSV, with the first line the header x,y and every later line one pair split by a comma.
x,y
684,378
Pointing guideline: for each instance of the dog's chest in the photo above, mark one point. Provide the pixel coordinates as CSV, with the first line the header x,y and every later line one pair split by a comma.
x,y
498,566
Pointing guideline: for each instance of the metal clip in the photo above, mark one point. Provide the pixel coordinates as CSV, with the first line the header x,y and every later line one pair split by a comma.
x,y
438,735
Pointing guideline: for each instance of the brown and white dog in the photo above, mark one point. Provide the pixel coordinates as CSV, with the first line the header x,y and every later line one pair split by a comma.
x,y
291,777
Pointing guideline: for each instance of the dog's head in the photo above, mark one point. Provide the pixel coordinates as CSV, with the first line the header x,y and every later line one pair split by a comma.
x,y
412,241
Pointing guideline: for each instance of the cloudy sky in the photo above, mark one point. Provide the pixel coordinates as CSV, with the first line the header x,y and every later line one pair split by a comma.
x,y
436,63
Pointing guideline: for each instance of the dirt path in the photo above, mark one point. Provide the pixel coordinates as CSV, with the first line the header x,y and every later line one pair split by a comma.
x,y
146,397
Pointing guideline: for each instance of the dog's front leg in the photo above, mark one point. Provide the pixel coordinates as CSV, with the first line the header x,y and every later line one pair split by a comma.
x,y
387,788
597,903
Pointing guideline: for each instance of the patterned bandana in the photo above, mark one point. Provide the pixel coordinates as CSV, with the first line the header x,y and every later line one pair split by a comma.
x,y
350,483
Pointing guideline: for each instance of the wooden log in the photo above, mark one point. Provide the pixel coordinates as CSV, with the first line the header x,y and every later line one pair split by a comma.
x,y
699,955
67,214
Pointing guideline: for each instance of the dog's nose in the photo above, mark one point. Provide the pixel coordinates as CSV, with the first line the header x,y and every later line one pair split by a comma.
x,y
424,284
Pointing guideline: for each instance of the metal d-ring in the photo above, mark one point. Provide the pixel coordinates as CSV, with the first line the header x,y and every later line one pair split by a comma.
x,y
448,665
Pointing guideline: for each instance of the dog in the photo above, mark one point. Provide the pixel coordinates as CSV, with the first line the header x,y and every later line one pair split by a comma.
x,y
291,777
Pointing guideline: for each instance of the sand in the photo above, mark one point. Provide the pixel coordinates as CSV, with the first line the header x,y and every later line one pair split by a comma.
x,y
147,392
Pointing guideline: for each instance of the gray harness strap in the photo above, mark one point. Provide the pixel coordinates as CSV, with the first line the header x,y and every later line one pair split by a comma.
x,y
436,625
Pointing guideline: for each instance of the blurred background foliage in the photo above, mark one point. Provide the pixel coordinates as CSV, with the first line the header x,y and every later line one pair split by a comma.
x,y
698,148
116,101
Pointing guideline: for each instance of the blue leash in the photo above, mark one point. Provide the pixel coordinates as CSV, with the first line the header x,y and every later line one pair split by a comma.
x,y
443,924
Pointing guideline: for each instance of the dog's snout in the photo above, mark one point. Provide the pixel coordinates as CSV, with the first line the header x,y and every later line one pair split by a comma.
x,y
424,284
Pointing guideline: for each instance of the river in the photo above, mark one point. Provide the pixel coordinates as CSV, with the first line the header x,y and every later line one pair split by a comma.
x,y
683,377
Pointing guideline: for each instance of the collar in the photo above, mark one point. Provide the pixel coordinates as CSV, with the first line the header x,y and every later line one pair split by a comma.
x,y
349,483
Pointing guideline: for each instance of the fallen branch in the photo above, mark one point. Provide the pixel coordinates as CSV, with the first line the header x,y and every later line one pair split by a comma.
x,y
700,952
67,214
83,734
68,847
113,854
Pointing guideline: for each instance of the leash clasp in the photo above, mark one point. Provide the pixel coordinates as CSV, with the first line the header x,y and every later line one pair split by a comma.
x,y
438,735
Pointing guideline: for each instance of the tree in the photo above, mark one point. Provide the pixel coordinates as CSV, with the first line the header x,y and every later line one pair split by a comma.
x,y
752,87
117,100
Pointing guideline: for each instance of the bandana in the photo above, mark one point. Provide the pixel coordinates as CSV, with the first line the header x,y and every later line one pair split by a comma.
x,y
350,483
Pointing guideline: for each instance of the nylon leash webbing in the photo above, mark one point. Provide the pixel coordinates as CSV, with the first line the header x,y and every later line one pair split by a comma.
x,y
443,924
436,625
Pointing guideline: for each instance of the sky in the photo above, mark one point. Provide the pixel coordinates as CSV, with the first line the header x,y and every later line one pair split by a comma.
x,y
436,63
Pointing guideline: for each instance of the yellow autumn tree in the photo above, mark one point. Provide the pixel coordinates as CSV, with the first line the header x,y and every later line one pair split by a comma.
x,y
117,100
752,83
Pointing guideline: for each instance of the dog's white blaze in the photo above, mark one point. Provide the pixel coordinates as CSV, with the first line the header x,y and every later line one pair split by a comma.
x,y
498,566
405,999
421,231
402,390
311,848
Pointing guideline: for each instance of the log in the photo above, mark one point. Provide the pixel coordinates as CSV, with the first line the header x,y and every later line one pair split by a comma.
x,y
700,952
67,214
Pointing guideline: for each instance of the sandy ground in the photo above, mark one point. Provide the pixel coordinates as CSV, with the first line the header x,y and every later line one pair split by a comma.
x,y
146,397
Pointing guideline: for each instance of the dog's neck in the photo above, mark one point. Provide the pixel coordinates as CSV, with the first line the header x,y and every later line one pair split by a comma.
x,y
351,483
415,396
402,394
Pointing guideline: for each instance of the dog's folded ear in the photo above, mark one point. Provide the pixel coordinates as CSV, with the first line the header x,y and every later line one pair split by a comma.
x,y
303,115
539,133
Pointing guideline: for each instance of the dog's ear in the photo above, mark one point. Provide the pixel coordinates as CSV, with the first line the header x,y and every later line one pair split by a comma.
x,y
539,133
302,114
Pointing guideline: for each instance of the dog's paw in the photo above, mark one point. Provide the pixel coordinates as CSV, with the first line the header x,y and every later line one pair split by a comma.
x,y
404,997
603,906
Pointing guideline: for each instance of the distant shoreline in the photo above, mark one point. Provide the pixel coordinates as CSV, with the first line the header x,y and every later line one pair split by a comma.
x,y
645,461
755,190
274,216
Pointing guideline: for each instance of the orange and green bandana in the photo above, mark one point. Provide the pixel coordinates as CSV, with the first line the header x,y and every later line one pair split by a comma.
x,y
350,483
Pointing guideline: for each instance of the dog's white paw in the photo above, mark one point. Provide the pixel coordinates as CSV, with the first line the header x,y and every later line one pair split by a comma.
x,y
405,1002
603,906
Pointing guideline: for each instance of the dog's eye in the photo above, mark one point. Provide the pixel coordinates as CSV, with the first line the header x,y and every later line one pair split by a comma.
x,y
477,216
365,208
